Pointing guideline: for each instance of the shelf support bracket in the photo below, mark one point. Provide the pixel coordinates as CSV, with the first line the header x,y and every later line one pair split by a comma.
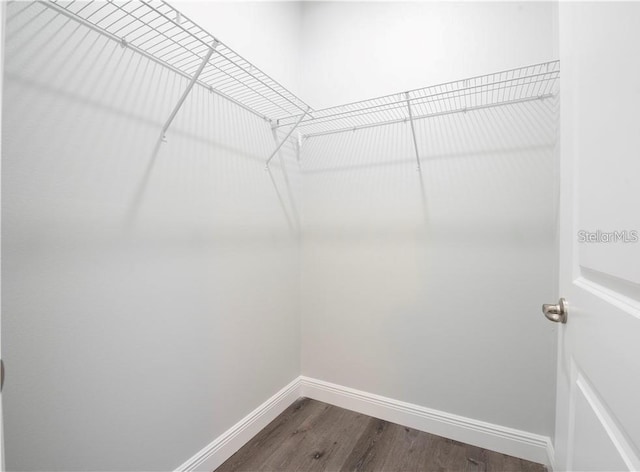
x,y
415,147
413,130
298,148
186,92
287,136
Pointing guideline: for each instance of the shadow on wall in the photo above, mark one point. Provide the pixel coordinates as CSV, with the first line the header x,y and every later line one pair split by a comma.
x,y
129,282
429,291
478,171
109,105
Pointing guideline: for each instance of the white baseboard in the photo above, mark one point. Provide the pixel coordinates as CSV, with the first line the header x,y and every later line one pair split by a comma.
x,y
225,445
529,446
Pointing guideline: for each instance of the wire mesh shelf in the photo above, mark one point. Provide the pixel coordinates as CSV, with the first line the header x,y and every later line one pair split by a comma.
x,y
161,33
532,82
164,35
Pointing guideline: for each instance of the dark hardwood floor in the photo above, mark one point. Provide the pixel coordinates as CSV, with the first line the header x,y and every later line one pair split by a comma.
x,y
314,436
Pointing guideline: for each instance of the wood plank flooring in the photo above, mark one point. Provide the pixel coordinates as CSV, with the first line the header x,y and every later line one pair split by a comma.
x,y
312,436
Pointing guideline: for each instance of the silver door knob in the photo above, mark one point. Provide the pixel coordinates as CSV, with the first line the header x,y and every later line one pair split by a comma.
x,y
556,313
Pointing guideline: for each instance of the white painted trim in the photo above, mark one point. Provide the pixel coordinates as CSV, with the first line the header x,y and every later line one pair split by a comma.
x,y
498,438
225,445
529,446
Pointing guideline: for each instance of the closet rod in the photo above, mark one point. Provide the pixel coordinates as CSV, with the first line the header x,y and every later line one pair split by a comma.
x,y
431,115
500,88
397,100
413,130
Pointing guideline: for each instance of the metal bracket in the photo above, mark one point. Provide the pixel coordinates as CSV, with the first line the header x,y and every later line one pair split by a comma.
x,y
185,94
415,147
287,136
413,130
299,147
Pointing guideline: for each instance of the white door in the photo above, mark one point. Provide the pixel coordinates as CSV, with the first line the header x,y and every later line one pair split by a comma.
x,y
598,402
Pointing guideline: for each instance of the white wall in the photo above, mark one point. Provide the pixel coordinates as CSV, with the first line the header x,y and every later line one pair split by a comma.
x,y
137,329
142,317
265,33
357,50
431,294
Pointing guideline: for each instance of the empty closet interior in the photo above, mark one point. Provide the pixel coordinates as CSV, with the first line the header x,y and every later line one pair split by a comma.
x,y
206,216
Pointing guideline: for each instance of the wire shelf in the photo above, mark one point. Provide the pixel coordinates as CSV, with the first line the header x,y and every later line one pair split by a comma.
x,y
161,33
164,35
532,82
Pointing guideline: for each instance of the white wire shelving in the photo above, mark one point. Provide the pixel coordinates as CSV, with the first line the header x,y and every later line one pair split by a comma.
x,y
534,82
161,33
